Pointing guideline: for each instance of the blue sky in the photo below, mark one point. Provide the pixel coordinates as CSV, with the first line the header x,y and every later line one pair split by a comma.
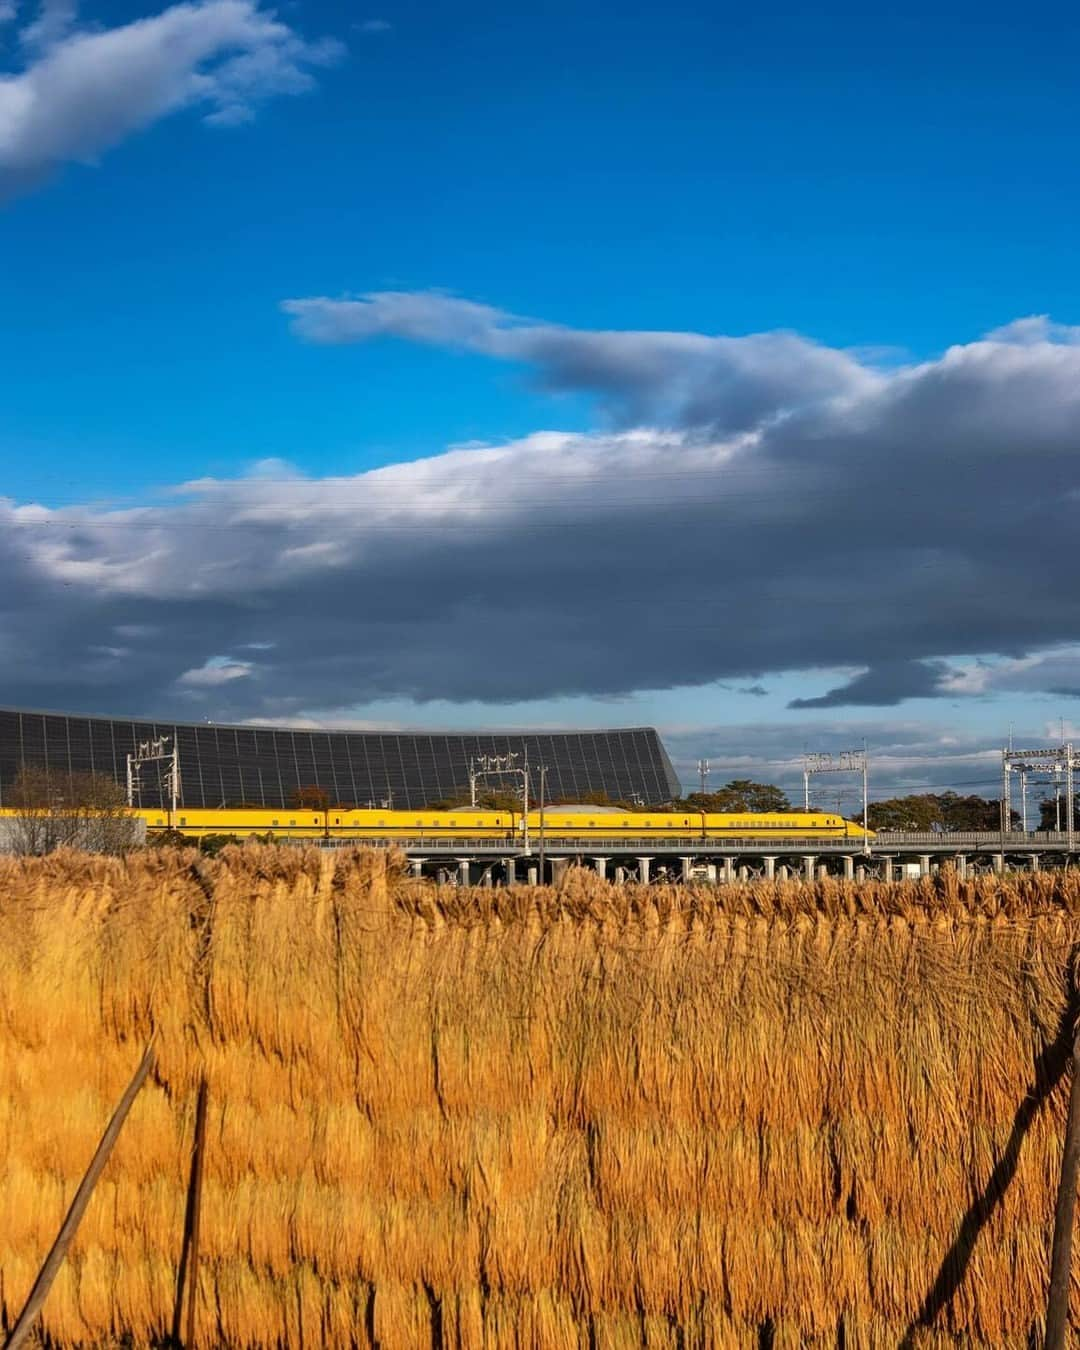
x,y
887,186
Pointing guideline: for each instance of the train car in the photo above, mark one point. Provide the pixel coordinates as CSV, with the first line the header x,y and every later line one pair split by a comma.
x,y
336,823
608,823
587,825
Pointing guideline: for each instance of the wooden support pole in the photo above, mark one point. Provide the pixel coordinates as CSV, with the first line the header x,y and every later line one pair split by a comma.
x,y
69,1227
1057,1303
187,1281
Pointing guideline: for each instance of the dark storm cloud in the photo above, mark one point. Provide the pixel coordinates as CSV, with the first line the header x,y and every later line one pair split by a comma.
x,y
885,686
858,520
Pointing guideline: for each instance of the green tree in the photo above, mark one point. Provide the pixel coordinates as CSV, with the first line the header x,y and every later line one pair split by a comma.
x,y
741,796
947,812
1052,811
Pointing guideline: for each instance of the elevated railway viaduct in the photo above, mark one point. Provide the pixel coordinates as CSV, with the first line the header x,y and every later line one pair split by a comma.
x,y
887,857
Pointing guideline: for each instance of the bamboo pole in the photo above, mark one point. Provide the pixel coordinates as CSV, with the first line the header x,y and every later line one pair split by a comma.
x,y
1057,1302
69,1227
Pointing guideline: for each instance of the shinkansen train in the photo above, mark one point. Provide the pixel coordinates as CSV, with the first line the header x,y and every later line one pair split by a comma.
x,y
591,825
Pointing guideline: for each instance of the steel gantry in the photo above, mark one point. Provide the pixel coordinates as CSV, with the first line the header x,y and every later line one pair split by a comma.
x,y
1056,763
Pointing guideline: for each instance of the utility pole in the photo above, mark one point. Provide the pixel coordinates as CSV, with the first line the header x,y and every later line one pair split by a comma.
x,y
703,772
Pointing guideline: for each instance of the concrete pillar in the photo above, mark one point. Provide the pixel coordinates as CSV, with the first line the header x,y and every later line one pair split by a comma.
x,y
532,875
1034,861
822,872
417,865
486,879
860,873
643,870
809,859
783,871
601,866
999,863
886,869
961,865
729,871
770,866
558,869
511,871
687,869
463,870
744,874
849,867
924,864
620,875
710,872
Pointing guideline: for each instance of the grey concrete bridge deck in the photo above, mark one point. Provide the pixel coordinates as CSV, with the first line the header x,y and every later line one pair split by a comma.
x,y
897,845
692,858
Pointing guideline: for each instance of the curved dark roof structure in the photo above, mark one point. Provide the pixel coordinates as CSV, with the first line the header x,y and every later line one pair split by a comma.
x,y
265,766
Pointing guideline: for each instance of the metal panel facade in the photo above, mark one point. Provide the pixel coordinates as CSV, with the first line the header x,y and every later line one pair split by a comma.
x,y
264,766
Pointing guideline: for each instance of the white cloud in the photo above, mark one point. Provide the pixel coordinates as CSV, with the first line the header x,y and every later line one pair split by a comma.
x,y
86,90
55,20
913,528
216,671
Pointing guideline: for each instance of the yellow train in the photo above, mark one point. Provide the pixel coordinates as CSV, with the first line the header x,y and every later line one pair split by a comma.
x,y
589,825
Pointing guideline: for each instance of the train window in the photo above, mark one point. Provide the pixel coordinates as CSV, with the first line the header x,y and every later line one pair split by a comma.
x,y
648,822
382,822
337,820
498,821
183,820
292,822
420,823
273,822
453,822
160,821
